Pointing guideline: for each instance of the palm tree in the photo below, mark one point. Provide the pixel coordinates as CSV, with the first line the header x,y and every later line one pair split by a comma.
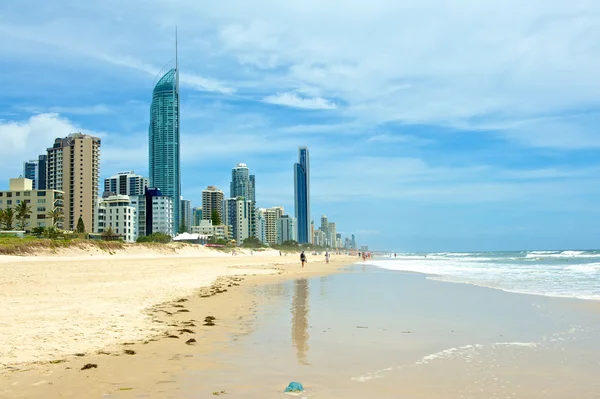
x,y
56,214
23,209
7,218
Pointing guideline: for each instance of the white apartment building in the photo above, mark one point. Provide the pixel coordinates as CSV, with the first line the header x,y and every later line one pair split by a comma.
x,y
118,213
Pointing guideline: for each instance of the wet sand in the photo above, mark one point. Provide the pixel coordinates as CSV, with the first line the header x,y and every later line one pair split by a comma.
x,y
129,317
373,333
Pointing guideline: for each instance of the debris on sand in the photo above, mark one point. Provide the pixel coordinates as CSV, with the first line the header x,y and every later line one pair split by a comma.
x,y
90,366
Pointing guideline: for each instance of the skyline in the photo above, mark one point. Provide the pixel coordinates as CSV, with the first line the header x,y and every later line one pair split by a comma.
x,y
476,131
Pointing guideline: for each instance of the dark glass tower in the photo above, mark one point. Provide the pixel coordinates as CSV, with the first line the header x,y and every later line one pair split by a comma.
x,y
163,139
302,195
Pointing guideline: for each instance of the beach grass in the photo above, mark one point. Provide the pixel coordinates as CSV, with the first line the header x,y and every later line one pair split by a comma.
x,y
29,245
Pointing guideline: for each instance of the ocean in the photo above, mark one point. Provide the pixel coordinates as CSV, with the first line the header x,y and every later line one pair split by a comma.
x,y
565,274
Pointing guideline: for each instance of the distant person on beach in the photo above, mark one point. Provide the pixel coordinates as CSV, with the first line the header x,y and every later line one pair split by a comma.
x,y
326,257
302,258
394,255
364,256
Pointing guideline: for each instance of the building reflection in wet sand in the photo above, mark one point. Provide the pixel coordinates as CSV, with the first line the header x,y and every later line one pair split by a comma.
x,y
300,319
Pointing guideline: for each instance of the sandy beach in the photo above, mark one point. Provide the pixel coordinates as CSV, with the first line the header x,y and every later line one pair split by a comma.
x,y
61,312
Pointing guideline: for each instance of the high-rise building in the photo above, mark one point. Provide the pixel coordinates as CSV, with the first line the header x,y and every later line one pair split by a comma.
x,y
271,215
331,234
126,183
30,171
302,195
119,214
237,213
212,200
73,166
243,184
163,134
186,215
261,227
353,245
287,229
197,215
312,232
154,213
35,170
42,202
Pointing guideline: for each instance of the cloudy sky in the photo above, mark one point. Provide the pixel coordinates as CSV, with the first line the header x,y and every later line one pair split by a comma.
x,y
432,125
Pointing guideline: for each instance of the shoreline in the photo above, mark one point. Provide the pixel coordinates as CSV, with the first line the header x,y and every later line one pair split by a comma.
x,y
169,324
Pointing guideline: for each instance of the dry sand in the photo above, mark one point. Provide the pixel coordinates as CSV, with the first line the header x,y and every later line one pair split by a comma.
x,y
58,313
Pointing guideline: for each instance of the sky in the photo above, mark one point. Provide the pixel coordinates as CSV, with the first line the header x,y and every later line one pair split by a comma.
x,y
431,125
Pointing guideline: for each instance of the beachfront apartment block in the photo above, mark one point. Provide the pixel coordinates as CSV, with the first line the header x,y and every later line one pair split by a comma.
x,y
117,213
271,215
212,200
287,229
73,166
42,203
154,213
238,214
126,183
206,227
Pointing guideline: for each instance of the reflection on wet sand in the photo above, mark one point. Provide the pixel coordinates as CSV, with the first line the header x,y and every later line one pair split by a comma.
x,y
300,319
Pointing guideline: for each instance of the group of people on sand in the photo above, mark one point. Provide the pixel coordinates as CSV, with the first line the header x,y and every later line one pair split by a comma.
x,y
365,255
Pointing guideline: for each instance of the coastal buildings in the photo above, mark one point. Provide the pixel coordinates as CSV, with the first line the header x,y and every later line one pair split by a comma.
x,y
212,200
261,229
35,170
302,195
271,215
73,167
287,230
117,213
126,183
243,184
186,215
331,234
42,202
197,216
237,213
154,213
206,228
353,245
164,139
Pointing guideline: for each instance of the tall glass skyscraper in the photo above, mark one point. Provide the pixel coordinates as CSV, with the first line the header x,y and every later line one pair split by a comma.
x,y
302,195
163,137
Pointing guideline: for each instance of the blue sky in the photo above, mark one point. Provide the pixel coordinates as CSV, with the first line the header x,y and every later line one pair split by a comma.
x,y
431,125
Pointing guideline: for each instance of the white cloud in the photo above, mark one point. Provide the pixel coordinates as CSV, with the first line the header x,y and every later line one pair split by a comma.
x,y
398,138
99,109
295,101
24,140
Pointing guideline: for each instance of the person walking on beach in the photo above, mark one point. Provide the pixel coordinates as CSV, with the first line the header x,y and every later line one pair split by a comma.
x,y
302,258
326,257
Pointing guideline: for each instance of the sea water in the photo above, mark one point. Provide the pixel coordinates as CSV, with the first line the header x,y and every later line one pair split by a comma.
x,y
568,274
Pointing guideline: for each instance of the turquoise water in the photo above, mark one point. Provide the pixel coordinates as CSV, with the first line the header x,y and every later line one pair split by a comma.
x,y
569,274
